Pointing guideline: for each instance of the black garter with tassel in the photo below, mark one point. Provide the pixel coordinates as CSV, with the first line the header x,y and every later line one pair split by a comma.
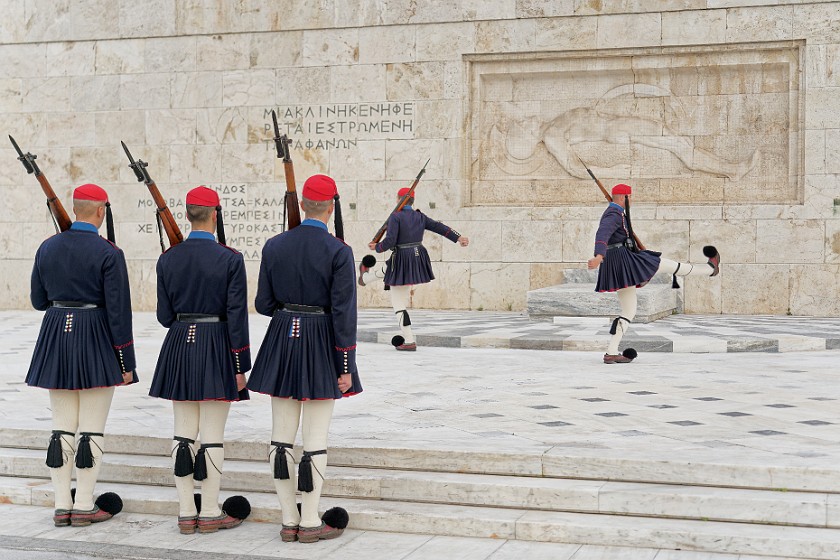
x,y
55,454
84,454
183,456
200,469
281,467
305,479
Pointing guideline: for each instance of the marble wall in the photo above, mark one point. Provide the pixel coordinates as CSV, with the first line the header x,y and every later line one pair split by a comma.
x,y
723,114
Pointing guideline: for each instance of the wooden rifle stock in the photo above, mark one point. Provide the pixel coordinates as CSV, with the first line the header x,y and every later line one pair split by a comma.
x,y
167,221
607,195
56,208
292,206
401,204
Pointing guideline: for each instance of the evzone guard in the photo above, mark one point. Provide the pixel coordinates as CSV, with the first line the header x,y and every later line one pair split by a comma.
x,y
409,263
202,298
624,266
84,350
307,285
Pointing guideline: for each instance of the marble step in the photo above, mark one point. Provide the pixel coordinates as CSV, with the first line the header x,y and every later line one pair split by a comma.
x,y
527,493
560,462
581,300
501,523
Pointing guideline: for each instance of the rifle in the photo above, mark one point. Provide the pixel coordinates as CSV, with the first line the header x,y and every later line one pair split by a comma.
x,y
59,214
290,200
609,199
401,204
163,215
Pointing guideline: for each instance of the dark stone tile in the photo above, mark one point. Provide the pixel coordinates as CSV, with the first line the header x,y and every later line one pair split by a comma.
x,y
555,424
815,422
535,394
686,423
734,414
609,414
442,341
542,406
821,399
487,415
709,399
768,433
780,405
595,399
632,433
538,343
641,393
663,406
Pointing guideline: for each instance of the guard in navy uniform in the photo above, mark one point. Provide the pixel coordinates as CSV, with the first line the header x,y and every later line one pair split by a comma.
x,y
84,350
307,360
409,263
203,301
622,267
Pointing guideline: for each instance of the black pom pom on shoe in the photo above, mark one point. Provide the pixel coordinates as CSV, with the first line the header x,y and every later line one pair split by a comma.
x,y
369,261
110,502
237,506
397,341
630,353
336,517
710,251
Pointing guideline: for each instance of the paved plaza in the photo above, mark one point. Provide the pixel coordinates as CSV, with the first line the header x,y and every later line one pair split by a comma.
x,y
761,416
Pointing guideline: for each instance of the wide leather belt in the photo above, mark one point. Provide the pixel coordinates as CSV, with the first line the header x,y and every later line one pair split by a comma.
x,y
75,305
407,245
198,318
616,245
305,309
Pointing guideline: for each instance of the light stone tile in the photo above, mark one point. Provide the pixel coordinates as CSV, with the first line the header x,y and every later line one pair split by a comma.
x,y
94,165
594,552
67,129
694,27
505,36
544,8
537,241
498,286
515,549
276,50
252,161
485,243
456,549
373,546
95,93
769,288
815,151
93,20
387,44
70,59
832,241
630,30
365,160
170,126
444,40
438,118
693,555
304,85
222,126
145,91
769,23
12,25
793,241
818,23
583,7
48,20
414,81
200,89
736,238
171,54
125,56
38,93
832,150
197,164
451,280
23,61
147,18
813,288
331,47
567,33
222,52
357,83
11,95
248,87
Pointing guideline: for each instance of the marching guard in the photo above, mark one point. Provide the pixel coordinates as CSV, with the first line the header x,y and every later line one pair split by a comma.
x,y
307,285
409,263
202,299
622,267
84,350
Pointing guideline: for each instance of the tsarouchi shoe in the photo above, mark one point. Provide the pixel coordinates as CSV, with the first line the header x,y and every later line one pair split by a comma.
x,y
289,533
213,524
85,518
616,359
187,525
314,534
61,517
412,347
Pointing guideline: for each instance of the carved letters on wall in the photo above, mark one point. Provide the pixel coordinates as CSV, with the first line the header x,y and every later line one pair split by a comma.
x,y
710,124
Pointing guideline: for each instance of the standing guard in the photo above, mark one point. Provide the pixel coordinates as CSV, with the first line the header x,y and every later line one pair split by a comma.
x,y
84,350
409,263
203,300
623,267
307,360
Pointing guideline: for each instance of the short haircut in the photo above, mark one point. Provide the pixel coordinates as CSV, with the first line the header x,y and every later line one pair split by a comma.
x,y
316,207
86,208
409,202
197,213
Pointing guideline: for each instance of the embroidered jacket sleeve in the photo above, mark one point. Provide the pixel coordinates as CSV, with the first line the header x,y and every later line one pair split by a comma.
x,y
38,293
237,314
165,311
265,302
343,305
118,308
610,222
391,234
440,228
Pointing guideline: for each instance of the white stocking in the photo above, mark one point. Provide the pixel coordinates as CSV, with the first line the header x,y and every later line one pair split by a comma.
x,y
213,416
684,269
65,417
317,416
400,296
285,417
94,405
628,300
186,426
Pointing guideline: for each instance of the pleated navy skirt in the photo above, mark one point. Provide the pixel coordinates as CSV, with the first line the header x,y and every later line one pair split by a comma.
x,y
623,268
74,351
299,367
197,367
409,266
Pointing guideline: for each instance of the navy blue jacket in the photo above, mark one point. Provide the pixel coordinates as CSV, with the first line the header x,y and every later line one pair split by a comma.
x,y
79,265
408,226
202,276
611,230
308,266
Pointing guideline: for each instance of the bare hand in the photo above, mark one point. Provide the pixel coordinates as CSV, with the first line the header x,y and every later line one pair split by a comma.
x,y
595,261
128,377
463,241
345,381
372,246
240,381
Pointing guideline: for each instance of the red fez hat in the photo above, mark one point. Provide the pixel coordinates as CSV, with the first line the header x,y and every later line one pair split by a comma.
x,y
90,192
202,196
403,191
319,187
621,188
